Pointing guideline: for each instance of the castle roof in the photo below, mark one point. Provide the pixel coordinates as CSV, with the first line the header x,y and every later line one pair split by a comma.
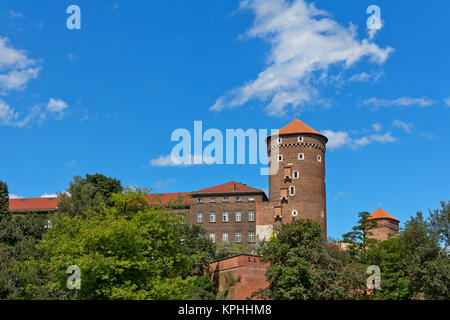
x,y
33,204
229,187
48,204
381,214
297,126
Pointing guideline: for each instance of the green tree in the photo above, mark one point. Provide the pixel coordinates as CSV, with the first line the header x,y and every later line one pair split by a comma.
x,y
226,250
360,238
303,266
129,250
20,274
426,262
4,200
85,193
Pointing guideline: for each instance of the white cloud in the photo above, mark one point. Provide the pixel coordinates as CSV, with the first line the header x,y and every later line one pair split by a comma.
x,y
16,69
385,138
429,136
14,196
376,126
447,101
46,195
400,102
163,183
365,77
341,194
338,139
304,40
7,114
168,161
407,127
57,106
17,79
16,14
37,114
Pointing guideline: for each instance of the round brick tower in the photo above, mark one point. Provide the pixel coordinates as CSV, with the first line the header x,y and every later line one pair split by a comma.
x,y
386,226
297,188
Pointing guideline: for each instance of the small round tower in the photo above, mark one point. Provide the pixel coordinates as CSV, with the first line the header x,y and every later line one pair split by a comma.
x,y
386,227
297,189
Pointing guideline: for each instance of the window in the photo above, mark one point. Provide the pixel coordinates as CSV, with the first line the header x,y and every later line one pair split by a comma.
x,y
301,156
225,199
280,158
238,237
251,199
251,215
296,174
212,237
291,191
212,217
300,139
212,200
225,237
319,158
294,213
238,199
238,216
225,216
251,236
287,172
199,217
200,200
279,140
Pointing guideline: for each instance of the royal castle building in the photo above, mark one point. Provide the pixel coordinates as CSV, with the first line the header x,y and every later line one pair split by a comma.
x,y
235,212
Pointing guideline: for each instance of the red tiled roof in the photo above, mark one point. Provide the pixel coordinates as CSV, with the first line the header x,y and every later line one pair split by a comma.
x,y
33,204
163,199
228,187
45,204
381,214
297,126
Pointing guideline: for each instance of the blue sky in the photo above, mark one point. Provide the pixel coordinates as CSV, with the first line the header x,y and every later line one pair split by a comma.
x,y
107,98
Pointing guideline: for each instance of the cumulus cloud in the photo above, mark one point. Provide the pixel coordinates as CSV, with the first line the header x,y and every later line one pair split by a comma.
x,y
57,106
304,41
14,196
376,126
37,115
400,102
407,127
46,195
447,101
16,69
339,139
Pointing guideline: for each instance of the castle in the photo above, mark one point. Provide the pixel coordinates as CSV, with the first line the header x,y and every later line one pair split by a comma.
x,y
235,212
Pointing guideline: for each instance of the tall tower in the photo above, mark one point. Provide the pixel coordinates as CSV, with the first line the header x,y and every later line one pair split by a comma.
x,y
386,226
297,189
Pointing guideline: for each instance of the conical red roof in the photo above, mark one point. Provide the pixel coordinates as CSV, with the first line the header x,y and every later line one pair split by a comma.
x,y
381,214
297,126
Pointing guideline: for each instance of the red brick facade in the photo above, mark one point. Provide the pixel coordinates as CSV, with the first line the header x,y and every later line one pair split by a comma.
x,y
251,271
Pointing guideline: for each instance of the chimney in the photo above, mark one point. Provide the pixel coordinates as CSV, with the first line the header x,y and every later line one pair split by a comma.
x,y
234,186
